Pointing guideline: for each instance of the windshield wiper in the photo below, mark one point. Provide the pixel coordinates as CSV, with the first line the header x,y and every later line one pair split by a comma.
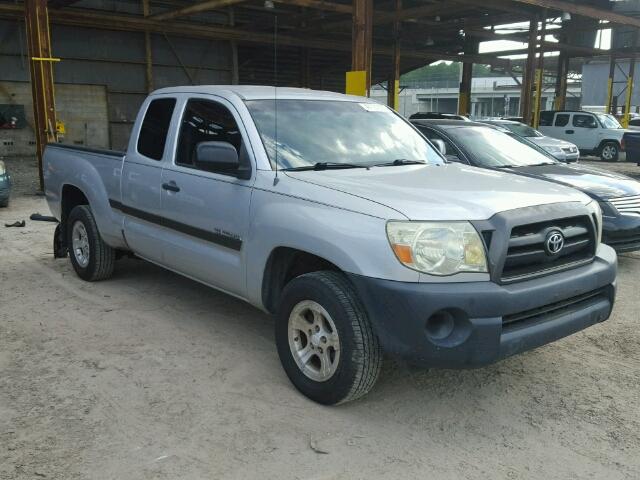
x,y
401,161
325,166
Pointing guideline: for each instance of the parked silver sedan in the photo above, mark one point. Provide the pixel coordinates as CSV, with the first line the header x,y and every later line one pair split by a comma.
x,y
562,150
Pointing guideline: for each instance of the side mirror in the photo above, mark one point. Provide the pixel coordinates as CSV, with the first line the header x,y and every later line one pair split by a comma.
x,y
217,157
440,145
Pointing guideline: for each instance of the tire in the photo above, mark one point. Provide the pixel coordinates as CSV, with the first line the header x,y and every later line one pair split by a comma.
x,y
97,261
357,360
610,152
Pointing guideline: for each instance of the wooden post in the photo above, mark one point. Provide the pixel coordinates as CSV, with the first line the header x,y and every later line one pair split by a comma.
x,y
528,74
560,100
540,74
393,85
612,76
471,47
359,78
147,50
41,69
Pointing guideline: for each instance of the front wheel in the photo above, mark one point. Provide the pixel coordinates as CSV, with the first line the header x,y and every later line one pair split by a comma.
x,y
325,341
92,259
610,152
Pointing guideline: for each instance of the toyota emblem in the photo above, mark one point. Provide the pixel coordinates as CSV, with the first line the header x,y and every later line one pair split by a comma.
x,y
554,243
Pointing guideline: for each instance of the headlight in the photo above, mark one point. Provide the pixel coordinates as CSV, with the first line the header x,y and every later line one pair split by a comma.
x,y
438,248
597,212
3,169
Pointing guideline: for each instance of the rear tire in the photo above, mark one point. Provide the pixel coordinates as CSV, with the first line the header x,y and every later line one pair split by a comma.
x,y
92,259
610,152
325,341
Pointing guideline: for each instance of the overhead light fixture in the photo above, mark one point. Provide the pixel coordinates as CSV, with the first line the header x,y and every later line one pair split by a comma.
x,y
269,4
437,18
566,16
430,42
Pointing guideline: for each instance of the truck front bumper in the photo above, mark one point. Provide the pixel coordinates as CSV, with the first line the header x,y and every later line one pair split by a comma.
x,y
464,325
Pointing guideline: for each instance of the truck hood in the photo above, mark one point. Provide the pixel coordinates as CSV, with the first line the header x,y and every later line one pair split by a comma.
x,y
550,142
597,183
442,192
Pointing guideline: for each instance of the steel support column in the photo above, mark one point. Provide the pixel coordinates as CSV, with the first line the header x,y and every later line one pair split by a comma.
x,y
528,74
41,69
560,100
359,78
393,85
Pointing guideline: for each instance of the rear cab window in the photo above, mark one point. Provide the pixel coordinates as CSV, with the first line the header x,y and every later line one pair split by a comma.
x,y
562,120
152,138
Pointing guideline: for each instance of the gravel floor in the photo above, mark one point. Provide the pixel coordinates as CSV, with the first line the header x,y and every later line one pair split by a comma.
x,y
152,376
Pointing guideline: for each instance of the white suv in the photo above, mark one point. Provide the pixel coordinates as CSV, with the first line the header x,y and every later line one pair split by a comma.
x,y
594,133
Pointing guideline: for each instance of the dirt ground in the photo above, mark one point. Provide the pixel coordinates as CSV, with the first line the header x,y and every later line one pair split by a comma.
x,y
152,376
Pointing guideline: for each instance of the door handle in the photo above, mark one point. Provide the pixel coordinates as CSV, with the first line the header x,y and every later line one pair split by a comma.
x,y
171,186
570,132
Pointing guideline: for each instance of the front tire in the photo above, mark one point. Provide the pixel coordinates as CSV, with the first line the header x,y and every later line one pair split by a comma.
x,y
325,341
610,152
92,259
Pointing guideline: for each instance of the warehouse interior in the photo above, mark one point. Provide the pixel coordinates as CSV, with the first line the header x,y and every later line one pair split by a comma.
x,y
152,374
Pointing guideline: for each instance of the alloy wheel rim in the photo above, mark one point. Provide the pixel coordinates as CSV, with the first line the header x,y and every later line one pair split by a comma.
x,y
608,153
314,341
80,244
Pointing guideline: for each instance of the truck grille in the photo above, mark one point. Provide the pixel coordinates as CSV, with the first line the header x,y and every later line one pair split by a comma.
x,y
627,205
528,256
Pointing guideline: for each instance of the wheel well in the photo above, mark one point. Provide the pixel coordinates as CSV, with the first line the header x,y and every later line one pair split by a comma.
x,y
284,265
71,198
603,142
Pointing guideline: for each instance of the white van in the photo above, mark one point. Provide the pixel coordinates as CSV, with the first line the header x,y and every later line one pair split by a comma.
x,y
594,133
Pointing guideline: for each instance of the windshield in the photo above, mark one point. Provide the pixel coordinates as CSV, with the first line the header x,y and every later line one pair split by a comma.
x,y
312,132
522,129
491,148
609,121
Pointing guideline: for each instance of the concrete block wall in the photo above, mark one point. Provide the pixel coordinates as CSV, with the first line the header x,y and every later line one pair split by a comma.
x,y
82,108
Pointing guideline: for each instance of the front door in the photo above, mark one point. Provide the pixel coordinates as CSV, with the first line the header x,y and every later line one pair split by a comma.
x,y
585,127
141,180
207,212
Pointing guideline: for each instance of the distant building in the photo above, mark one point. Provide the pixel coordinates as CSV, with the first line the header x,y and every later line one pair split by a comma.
x,y
490,97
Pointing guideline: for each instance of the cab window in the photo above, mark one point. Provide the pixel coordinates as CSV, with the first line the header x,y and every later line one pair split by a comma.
x,y
206,121
155,127
562,120
584,121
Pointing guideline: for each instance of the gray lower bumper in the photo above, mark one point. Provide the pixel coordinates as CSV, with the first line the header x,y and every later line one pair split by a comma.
x,y
461,325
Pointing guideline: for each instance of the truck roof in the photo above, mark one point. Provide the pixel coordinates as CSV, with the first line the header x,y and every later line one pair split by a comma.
x,y
263,92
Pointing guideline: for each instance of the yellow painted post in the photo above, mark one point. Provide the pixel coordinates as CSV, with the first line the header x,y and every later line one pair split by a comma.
x,y
356,83
538,104
627,105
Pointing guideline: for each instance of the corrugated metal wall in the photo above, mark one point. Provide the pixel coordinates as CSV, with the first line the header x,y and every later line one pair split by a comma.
x,y
117,61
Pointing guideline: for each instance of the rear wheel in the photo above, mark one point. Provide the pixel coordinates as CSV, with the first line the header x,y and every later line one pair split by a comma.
x,y
610,152
92,259
325,341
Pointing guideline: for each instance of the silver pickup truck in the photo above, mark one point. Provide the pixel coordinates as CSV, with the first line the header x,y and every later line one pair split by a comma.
x,y
335,214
